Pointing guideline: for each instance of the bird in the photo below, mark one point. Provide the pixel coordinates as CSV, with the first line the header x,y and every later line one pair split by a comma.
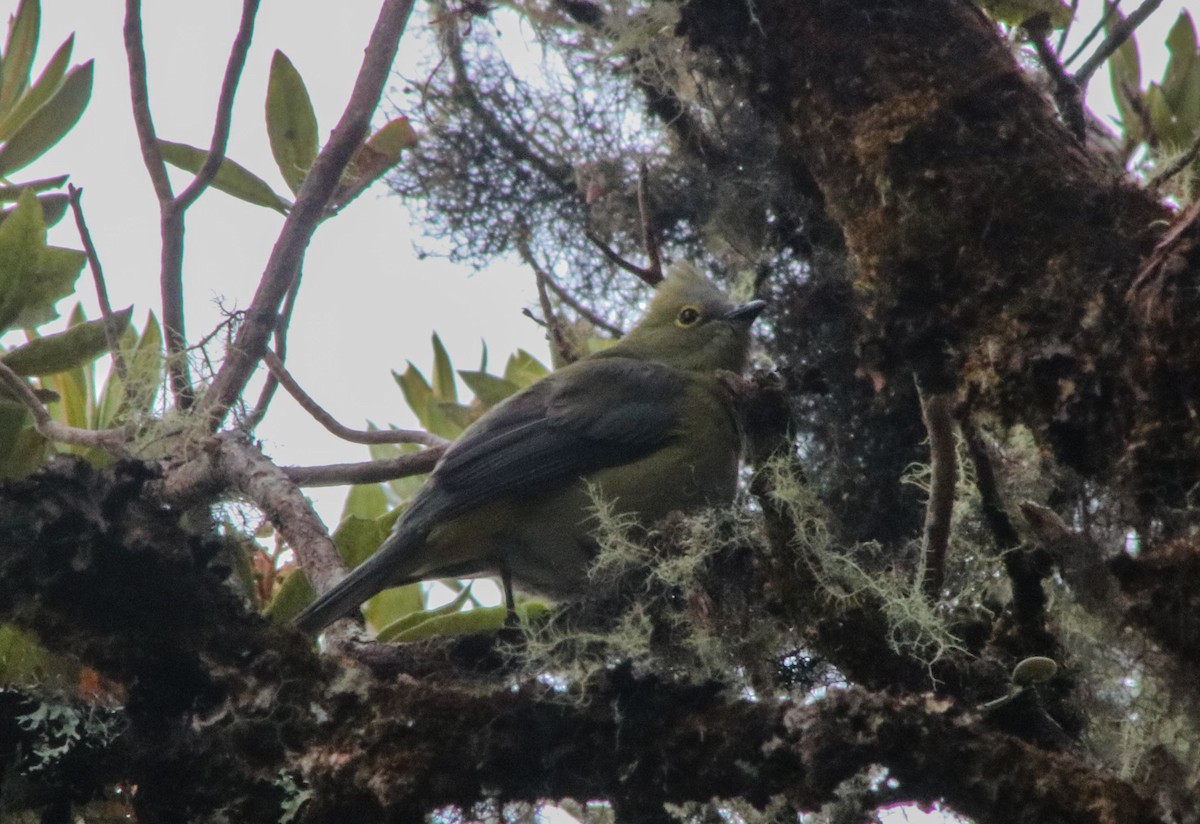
x,y
648,423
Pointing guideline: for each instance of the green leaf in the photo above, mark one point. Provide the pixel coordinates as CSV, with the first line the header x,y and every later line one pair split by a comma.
x,y
489,389
358,538
391,604
50,122
1181,43
381,152
294,594
417,393
33,276
8,194
402,488
144,358
232,178
71,408
1125,71
291,123
1018,12
54,207
404,623
19,51
1167,127
13,418
523,369
47,84
28,451
365,501
444,388
484,619
65,350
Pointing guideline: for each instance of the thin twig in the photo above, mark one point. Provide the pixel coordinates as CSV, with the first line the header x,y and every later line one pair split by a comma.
x,y
583,311
1177,165
1068,98
112,332
281,329
1025,572
366,472
937,412
288,254
224,115
170,221
645,274
1115,40
110,440
1066,32
326,420
649,235
143,121
553,323
1110,8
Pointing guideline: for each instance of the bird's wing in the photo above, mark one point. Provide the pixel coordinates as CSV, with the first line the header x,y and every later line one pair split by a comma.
x,y
598,413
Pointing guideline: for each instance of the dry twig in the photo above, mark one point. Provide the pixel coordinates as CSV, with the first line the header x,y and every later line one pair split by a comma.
x,y
937,411
363,436
112,332
110,440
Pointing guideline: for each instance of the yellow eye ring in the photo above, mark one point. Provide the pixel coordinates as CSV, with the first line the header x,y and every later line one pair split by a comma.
x,y
688,316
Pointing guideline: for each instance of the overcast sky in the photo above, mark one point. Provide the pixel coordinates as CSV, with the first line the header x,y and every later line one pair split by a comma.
x,y
367,304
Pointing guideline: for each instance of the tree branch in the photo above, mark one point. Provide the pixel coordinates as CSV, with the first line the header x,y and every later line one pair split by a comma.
x,y
1116,38
937,410
110,440
367,472
224,114
330,423
112,333
288,253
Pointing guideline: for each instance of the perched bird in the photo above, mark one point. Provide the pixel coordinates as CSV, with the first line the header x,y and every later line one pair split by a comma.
x,y
647,423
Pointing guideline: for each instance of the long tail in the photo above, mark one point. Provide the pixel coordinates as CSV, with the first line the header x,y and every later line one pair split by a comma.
x,y
373,575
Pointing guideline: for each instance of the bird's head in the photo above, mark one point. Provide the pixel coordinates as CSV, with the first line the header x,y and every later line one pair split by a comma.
x,y
691,324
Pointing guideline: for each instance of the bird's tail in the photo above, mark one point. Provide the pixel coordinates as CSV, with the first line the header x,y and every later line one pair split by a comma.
x,y
373,575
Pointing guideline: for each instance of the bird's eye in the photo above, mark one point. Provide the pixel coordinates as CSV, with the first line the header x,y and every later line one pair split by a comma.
x,y
688,315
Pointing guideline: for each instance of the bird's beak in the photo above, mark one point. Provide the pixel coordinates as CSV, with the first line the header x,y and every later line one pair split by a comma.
x,y
747,312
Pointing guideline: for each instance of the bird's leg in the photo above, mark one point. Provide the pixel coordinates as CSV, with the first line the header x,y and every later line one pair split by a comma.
x,y
510,606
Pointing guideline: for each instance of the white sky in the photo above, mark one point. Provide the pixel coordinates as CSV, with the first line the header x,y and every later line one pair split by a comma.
x,y
367,304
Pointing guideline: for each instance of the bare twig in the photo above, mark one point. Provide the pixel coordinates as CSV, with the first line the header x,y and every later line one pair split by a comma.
x,y
645,274
649,234
366,472
553,323
171,208
143,121
272,383
1066,32
308,210
112,332
1110,8
1115,40
583,311
344,432
937,412
1025,571
1068,98
170,221
1177,165
224,115
110,440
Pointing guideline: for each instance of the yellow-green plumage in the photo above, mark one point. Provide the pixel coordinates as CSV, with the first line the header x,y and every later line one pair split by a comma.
x,y
648,423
